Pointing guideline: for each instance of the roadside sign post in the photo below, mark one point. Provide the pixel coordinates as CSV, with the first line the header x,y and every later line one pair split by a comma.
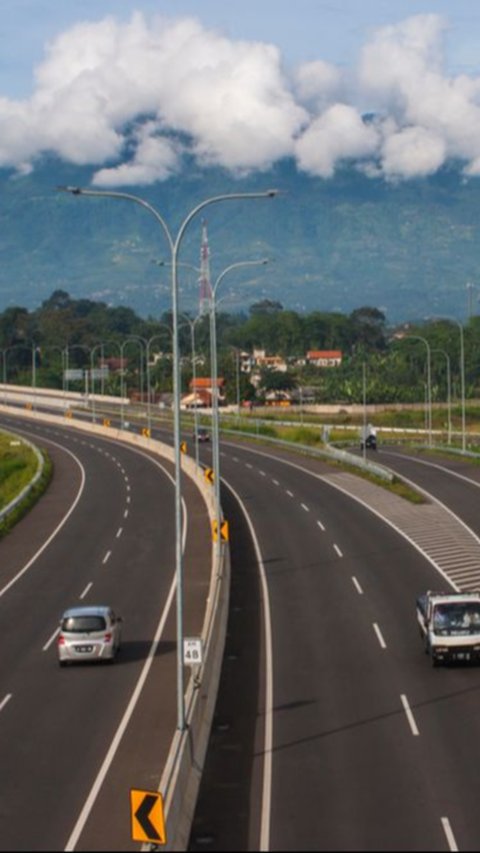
x,y
147,816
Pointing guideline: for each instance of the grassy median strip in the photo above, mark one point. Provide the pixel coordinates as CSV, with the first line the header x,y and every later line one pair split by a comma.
x,y
18,466
304,437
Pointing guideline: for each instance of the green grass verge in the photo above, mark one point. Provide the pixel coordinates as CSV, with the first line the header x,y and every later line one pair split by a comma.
x,y
302,435
18,465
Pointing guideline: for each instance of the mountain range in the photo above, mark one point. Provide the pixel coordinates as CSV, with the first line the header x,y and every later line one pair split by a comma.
x,y
410,249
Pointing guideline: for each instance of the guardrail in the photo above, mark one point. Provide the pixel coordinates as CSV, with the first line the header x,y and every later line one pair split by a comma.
x,y
328,452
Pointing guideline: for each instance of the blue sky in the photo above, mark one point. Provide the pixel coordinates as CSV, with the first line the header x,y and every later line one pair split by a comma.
x,y
332,30
248,82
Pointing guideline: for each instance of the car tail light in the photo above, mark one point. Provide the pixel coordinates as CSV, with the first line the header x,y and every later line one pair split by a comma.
x,y
61,640
108,637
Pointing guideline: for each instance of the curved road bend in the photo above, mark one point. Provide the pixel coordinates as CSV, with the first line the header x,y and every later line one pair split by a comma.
x,y
372,747
57,726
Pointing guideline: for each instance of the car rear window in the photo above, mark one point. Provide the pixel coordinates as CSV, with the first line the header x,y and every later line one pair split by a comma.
x,y
81,624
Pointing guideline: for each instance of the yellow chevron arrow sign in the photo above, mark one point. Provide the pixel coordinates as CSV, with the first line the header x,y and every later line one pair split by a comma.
x,y
147,817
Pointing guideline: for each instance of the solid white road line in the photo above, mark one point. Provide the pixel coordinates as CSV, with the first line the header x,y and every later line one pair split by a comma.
x,y
57,529
264,842
90,801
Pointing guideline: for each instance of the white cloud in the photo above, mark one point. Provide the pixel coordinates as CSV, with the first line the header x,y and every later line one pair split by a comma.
x,y
319,83
439,117
231,98
338,134
412,152
155,159
120,96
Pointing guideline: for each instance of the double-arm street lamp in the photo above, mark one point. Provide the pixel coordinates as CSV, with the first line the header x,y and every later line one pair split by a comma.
x,y
68,349
147,343
174,243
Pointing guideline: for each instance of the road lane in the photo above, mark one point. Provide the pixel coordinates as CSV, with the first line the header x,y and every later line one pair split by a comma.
x,y
351,757
58,726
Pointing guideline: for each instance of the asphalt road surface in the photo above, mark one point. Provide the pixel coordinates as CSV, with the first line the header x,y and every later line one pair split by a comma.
x,y
74,741
372,748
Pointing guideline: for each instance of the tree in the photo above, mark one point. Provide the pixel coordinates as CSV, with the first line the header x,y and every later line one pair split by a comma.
x,y
276,380
369,327
266,306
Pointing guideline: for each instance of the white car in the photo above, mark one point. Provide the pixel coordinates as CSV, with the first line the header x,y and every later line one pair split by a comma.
x,y
89,633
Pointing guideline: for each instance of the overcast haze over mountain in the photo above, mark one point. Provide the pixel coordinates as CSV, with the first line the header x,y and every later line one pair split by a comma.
x,y
409,248
378,161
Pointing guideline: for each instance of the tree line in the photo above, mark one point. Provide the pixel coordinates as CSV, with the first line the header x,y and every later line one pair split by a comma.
x,y
378,362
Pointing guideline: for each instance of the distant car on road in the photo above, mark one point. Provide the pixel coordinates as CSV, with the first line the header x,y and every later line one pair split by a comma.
x,y
89,633
202,434
371,442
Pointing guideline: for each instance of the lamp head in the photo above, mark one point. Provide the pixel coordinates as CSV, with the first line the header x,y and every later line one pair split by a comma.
x,y
72,190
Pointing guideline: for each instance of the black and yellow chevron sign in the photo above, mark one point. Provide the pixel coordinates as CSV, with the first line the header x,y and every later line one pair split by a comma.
x,y
147,818
183,447
106,422
224,534
146,432
209,475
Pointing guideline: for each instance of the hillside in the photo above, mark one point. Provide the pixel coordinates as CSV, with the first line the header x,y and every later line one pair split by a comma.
x,y
409,249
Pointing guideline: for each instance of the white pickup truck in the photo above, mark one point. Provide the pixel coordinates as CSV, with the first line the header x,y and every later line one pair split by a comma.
x,y
449,624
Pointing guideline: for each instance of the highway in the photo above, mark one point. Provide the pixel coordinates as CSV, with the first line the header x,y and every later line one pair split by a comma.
x,y
371,748
74,741
332,730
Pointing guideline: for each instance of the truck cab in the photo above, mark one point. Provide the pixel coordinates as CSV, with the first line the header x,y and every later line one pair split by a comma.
x,y
449,625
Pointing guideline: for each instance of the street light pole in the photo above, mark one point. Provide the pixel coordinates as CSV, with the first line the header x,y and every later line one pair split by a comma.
x,y
364,386
449,393
149,390
214,378
462,374
462,381
174,245
92,375
237,379
192,323
429,385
